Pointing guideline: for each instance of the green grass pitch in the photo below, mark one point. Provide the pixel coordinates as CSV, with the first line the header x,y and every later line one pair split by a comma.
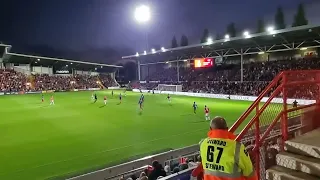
x,y
38,141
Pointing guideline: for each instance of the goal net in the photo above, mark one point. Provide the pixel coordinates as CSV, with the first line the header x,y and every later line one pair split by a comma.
x,y
169,87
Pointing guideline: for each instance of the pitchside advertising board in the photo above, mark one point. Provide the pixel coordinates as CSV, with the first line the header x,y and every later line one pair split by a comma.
x,y
203,62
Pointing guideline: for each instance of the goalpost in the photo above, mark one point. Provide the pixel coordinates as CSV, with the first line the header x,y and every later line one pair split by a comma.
x,y
169,87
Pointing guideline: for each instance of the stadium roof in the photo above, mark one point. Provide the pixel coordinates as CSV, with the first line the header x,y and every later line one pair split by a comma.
x,y
267,42
16,58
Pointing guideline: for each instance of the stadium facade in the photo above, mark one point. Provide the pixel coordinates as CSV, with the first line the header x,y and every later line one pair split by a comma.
x,y
295,42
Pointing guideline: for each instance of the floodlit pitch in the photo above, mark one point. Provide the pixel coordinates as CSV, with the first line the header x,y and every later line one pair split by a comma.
x,y
41,141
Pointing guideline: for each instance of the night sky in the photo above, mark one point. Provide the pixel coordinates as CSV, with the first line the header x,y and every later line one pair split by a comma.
x,y
87,24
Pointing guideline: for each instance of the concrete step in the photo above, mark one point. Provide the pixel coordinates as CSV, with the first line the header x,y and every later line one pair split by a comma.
x,y
282,173
307,144
297,162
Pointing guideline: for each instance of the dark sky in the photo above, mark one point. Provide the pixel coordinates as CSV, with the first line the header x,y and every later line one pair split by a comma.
x,y
83,24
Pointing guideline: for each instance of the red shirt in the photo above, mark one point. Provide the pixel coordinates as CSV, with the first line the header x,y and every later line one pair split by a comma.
x,y
206,110
198,172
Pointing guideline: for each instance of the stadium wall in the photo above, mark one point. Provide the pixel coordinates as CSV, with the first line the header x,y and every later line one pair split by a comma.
x,y
231,97
86,73
27,69
42,70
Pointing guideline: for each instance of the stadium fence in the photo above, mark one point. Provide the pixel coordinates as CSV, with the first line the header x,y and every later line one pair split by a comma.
x,y
267,125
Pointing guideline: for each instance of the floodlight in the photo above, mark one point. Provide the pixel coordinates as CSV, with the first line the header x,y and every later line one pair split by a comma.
x,y
303,49
261,52
36,62
209,40
144,52
67,65
38,59
226,37
246,34
101,66
95,68
271,30
142,14
70,63
137,54
163,49
185,60
153,50
167,62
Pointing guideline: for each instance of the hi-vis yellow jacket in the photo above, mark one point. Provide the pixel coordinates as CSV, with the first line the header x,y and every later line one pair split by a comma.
x,y
225,159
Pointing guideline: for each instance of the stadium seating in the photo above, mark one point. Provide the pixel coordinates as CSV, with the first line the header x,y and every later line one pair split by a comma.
x,y
225,79
12,81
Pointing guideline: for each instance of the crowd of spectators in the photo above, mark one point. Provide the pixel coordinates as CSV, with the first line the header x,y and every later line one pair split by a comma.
x,y
11,81
45,82
157,171
62,83
107,80
225,79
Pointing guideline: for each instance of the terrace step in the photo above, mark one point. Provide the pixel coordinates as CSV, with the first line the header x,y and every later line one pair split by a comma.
x,y
307,144
297,162
282,173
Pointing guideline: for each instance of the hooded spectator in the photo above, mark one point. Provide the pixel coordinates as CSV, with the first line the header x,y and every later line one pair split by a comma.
x,y
157,171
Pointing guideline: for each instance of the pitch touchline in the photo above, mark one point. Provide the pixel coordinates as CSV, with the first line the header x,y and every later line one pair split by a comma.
x,y
100,152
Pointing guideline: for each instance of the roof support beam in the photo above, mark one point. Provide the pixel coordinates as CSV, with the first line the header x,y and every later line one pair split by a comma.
x,y
62,60
299,44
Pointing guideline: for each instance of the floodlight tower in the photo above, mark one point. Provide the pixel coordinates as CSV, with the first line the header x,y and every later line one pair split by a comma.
x,y
142,15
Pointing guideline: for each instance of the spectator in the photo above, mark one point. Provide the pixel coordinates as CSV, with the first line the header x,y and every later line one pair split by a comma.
x,y
176,170
157,171
167,169
183,166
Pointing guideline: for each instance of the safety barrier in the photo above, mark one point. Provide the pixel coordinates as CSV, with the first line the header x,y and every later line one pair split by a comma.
x,y
128,166
261,120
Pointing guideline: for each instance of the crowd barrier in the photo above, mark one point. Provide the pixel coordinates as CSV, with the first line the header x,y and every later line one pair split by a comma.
x,y
182,175
125,167
231,97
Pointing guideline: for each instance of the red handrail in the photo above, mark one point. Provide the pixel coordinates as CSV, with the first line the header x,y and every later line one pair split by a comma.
x,y
280,83
255,103
248,126
266,133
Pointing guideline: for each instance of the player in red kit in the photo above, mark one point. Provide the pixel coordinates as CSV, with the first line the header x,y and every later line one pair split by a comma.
x,y
105,100
206,111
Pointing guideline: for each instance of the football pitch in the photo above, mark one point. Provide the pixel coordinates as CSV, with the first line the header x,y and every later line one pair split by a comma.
x,y
39,141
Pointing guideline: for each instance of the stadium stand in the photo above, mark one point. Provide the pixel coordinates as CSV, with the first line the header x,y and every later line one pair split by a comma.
x,y
20,73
